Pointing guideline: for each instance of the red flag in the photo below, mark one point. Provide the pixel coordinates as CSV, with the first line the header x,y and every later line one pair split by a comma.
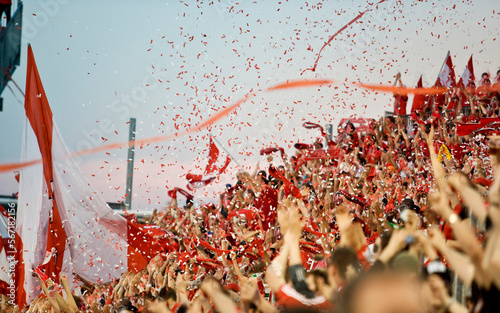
x,y
468,76
39,115
467,81
418,100
196,181
446,78
213,155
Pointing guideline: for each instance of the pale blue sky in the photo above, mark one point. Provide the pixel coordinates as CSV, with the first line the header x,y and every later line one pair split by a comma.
x,y
167,62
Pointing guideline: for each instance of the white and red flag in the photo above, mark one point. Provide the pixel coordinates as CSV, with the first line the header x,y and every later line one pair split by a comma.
x,y
213,155
468,76
60,212
446,77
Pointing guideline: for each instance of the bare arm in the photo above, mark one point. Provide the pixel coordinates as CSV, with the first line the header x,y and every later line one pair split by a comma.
x,y
460,262
469,194
69,296
222,301
51,299
275,273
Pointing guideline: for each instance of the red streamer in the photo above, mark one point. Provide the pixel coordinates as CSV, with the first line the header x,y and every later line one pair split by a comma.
x,y
404,90
335,35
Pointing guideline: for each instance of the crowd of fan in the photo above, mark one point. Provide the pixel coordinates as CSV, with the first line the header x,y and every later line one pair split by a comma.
x,y
373,221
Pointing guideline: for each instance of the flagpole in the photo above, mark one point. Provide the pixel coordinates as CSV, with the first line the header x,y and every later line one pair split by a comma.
x,y
224,149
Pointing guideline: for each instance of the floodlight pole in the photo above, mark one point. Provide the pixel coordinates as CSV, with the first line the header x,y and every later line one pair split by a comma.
x,y
130,163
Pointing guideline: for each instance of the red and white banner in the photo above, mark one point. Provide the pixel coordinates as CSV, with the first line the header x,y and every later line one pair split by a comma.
x,y
58,209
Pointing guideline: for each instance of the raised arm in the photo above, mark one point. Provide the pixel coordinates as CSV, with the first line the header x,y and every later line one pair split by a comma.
x,y
460,262
275,273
